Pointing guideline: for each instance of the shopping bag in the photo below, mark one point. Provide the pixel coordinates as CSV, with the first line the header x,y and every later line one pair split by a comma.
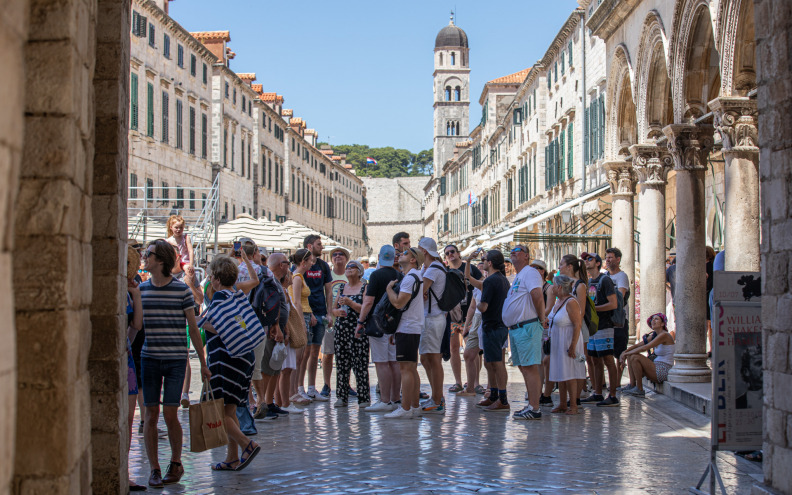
x,y
207,422
278,355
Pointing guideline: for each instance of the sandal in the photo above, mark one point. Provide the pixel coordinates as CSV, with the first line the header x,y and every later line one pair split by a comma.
x,y
559,410
479,389
455,388
252,452
225,466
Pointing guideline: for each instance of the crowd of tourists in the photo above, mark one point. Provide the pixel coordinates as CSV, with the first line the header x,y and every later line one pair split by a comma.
x,y
410,304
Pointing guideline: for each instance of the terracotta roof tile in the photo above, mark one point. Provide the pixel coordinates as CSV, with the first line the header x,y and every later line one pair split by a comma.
x,y
248,77
258,88
516,78
212,35
287,112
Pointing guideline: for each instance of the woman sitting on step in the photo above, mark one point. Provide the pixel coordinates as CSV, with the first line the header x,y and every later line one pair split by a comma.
x,y
641,366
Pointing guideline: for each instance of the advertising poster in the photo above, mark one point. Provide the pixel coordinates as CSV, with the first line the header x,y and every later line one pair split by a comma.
x,y
737,362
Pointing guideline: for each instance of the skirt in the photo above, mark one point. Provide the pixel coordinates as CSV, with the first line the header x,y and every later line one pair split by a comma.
x,y
662,371
230,375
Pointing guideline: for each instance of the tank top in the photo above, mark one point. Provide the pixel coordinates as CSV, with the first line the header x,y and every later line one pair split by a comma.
x,y
304,293
665,353
184,253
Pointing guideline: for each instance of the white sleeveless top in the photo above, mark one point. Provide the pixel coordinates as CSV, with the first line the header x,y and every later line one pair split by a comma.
x,y
665,354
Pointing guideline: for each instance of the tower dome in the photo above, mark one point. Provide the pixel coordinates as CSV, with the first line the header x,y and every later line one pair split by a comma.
x,y
451,36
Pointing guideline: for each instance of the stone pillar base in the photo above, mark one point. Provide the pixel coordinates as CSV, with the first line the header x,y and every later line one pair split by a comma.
x,y
690,368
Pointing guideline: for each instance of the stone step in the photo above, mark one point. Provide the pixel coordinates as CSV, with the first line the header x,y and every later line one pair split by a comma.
x,y
696,396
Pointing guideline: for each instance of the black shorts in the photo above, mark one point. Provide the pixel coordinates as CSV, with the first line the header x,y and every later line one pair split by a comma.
x,y
407,347
494,341
620,338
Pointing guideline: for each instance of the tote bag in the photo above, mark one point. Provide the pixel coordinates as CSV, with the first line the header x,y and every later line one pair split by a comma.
x,y
298,338
207,422
235,321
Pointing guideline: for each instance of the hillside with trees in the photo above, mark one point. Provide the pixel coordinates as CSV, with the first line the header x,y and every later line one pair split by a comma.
x,y
391,162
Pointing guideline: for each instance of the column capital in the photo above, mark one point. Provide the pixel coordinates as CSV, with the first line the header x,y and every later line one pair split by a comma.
x,y
652,163
689,145
736,121
621,178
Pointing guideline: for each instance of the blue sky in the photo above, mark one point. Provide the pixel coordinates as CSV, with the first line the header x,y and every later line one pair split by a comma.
x,y
360,72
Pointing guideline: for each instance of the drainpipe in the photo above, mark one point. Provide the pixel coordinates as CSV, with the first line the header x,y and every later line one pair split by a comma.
x,y
583,93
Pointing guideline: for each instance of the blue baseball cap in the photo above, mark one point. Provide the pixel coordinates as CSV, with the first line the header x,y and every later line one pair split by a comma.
x,y
387,255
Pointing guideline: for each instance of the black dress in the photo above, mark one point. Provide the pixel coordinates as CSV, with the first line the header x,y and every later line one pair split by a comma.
x,y
351,353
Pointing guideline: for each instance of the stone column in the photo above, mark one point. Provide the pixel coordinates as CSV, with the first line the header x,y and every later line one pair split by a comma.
x,y
735,120
622,183
651,162
689,146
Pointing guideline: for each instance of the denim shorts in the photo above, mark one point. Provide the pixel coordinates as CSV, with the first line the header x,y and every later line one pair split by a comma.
x,y
315,333
162,376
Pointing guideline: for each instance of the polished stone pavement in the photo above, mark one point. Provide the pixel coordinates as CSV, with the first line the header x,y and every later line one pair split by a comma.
x,y
651,445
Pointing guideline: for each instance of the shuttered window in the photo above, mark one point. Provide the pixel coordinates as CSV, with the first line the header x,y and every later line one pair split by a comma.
x,y
150,110
570,146
164,117
133,107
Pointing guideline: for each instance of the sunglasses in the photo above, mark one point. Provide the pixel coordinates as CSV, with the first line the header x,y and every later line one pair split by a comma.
x,y
352,266
338,253
147,253
519,249
450,251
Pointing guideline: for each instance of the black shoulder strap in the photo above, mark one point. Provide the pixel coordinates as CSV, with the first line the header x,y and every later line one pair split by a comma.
x,y
415,291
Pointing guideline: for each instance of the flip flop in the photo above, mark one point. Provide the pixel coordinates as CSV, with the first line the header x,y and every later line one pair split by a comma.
x,y
244,461
224,466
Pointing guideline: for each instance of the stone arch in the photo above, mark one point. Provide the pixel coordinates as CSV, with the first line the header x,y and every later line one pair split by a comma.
x,y
737,43
621,124
695,63
655,108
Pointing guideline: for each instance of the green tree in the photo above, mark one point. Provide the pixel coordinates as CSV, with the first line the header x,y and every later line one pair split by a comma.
x,y
391,162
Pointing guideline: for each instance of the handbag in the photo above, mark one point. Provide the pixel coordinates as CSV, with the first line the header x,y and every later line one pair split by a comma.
x,y
207,422
298,336
278,355
235,322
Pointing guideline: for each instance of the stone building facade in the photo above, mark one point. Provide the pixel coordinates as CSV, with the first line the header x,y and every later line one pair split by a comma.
x,y
394,205
196,123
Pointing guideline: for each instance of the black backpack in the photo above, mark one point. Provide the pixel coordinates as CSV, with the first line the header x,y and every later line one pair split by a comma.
x,y
266,300
385,319
454,291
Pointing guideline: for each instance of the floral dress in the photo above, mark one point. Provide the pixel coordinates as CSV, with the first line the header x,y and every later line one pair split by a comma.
x,y
352,354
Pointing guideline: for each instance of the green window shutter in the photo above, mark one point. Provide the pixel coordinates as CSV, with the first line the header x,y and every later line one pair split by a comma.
x,y
585,137
563,64
547,167
165,125
569,50
562,150
549,77
602,126
133,107
570,146
150,110
442,186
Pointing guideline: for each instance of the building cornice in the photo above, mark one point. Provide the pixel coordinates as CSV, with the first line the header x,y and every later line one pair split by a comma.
x,y
608,16
152,9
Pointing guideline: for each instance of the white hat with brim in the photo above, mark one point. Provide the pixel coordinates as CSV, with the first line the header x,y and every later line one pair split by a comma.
x,y
430,246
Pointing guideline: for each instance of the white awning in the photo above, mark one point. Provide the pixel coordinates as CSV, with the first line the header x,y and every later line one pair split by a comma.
x,y
508,235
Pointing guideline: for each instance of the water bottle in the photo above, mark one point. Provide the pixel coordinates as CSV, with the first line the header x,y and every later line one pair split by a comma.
x,y
344,310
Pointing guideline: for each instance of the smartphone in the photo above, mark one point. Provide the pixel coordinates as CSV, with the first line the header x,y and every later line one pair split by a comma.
x,y
478,252
237,248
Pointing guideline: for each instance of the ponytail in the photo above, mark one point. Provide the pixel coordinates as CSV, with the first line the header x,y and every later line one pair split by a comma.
x,y
577,266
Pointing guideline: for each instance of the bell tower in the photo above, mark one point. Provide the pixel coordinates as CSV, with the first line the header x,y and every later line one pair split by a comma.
x,y
451,92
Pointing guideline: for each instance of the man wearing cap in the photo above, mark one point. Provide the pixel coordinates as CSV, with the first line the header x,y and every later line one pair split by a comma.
x,y
339,258
372,265
523,315
383,351
600,346
434,280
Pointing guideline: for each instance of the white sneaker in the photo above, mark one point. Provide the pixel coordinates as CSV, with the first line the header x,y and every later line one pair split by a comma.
x,y
393,405
314,395
416,412
379,407
364,405
399,413
340,403
305,396
292,409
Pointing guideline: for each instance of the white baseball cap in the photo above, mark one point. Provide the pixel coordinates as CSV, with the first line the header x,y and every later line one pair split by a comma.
x,y
430,246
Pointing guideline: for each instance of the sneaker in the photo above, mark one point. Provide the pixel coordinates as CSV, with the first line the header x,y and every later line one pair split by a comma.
x,y
498,406
269,415
432,408
380,406
635,392
545,401
300,400
352,392
261,412
399,413
591,399
305,396
527,414
314,395
293,409
185,401
417,412
340,403
626,390
364,405
277,410
485,403
325,391
611,401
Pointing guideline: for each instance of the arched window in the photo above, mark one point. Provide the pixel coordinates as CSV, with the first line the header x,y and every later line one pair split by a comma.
x,y
448,93
441,59
457,94
453,58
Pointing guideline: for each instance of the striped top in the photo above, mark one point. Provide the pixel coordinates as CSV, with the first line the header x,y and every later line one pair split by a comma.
x,y
164,319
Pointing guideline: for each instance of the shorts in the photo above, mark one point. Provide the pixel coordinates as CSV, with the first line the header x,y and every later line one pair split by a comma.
x,y
526,344
407,346
382,351
290,363
493,344
601,343
262,363
472,339
258,351
315,333
132,384
165,376
661,369
432,336
328,342
620,339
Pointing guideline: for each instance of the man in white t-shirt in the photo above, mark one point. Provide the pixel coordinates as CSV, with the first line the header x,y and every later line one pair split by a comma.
x,y
523,315
408,333
434,280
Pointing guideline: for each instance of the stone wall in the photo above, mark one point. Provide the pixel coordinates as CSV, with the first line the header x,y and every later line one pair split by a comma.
x,y
773,49
394,205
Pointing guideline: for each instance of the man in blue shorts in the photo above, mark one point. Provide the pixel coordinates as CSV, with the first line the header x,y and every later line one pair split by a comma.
x,y
319,279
